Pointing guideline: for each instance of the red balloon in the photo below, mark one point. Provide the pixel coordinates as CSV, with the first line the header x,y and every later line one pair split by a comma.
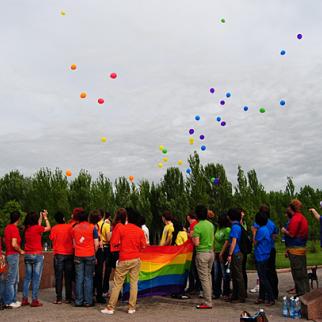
x,y
113,75
100,101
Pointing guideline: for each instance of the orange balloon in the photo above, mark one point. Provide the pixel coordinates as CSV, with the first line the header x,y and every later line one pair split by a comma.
x,y
131,178
73,67
83,95
68,173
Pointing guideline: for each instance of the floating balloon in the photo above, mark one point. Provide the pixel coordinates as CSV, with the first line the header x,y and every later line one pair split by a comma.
x,y
282,102
160,165
218,118
188,171
161,147
100,101
83,95
320,204
216,181
201,137
299,36
103,139
197,117
131,178
228,94
191,131
68,173
283,52
223,123
245,108
164,151
203,148
222,20
165,159
222,102
63,13
180,162
73,67
262,110
113,75
191,141
212,90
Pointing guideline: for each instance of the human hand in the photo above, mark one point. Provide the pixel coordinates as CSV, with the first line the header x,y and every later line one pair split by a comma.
x,y
229,259
283,230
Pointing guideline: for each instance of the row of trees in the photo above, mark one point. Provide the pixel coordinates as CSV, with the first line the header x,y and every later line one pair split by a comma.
x,y
51,190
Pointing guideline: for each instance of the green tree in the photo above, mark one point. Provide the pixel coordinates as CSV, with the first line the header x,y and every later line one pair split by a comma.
x,y
80,190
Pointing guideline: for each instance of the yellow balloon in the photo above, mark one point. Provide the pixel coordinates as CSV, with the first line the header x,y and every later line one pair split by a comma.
x,y
191,141
160,165
103,139
62,13
165,159
161,147
180,162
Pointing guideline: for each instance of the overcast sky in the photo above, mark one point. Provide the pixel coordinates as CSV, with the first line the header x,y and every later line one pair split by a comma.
x,y
167,55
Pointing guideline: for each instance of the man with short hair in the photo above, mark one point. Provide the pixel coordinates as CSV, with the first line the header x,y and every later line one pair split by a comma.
x,y
130,240
168,229
203,239
61,237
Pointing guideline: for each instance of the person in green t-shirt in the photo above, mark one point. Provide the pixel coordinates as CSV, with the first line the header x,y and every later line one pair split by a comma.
x,y
203,239
221,251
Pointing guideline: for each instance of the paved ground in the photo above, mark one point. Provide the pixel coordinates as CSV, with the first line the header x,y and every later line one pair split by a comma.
x,y
156,308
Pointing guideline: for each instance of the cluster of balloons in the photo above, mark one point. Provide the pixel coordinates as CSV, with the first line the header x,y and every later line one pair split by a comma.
x,y
215,181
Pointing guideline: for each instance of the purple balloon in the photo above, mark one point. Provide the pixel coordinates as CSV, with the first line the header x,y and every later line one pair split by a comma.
x,y
212,90
202,137
223,123
299,36
191,131
222,102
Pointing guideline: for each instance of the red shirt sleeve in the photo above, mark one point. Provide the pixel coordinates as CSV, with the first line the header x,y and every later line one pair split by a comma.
x,y
15,233
116,239
40,229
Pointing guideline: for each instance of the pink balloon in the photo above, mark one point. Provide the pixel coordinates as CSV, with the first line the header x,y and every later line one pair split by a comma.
x,y
113,75
100,101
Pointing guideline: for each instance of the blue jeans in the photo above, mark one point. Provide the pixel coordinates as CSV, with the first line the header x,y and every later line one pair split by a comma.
x,y
84,267
221,285
2,287
33,265
11,285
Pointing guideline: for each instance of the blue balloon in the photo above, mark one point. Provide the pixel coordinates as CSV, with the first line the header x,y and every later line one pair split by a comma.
x,y
218,118
283,52
188,171
245,108
197,117
282,102
203,148
228,94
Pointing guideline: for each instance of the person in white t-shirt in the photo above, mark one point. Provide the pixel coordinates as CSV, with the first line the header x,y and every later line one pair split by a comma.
x,y
145,230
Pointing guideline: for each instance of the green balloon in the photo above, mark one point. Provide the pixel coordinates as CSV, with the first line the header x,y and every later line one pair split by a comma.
x,y
222,20
262,110
164,151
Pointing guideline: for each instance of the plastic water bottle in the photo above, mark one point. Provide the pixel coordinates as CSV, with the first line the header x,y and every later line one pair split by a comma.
x,y
292,308
297,306
46,247
285,307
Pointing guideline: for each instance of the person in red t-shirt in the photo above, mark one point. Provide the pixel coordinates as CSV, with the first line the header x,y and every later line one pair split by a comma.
x,y
130,240
12,241
85,238
62,239
34,259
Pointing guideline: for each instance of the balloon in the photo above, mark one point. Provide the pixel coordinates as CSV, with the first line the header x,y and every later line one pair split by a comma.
x,y
245,108
201,137
188,171
165,159
73,67
160,165
100,101
180,162
216,181
218,118
83,95
222,20
68,173
222,102
203,148
161,147
299,36
283,52
191,131
223,123
282,102
212,90
103,139
320,204
197,117
262,110
62,13
131,178
191,141
164,151
228,94
113,75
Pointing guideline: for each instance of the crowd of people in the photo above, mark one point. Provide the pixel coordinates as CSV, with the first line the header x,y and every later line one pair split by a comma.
x,y
91,246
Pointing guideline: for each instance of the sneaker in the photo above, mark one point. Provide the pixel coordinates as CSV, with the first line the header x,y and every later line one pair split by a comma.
x,y
201,294
35,303
107,311
255,289
25,301
130,311
203,307
18,303
14,305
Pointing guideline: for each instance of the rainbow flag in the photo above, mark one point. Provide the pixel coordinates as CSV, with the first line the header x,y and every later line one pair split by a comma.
x,y
164,270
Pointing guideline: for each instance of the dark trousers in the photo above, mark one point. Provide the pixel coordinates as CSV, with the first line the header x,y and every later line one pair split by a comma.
x,y
237,277
110,263
272,272
63,265
299,273
244,267
220,278
265,287
99,267
194,281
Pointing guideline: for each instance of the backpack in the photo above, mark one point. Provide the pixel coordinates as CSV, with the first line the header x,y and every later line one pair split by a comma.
x,y
245,244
